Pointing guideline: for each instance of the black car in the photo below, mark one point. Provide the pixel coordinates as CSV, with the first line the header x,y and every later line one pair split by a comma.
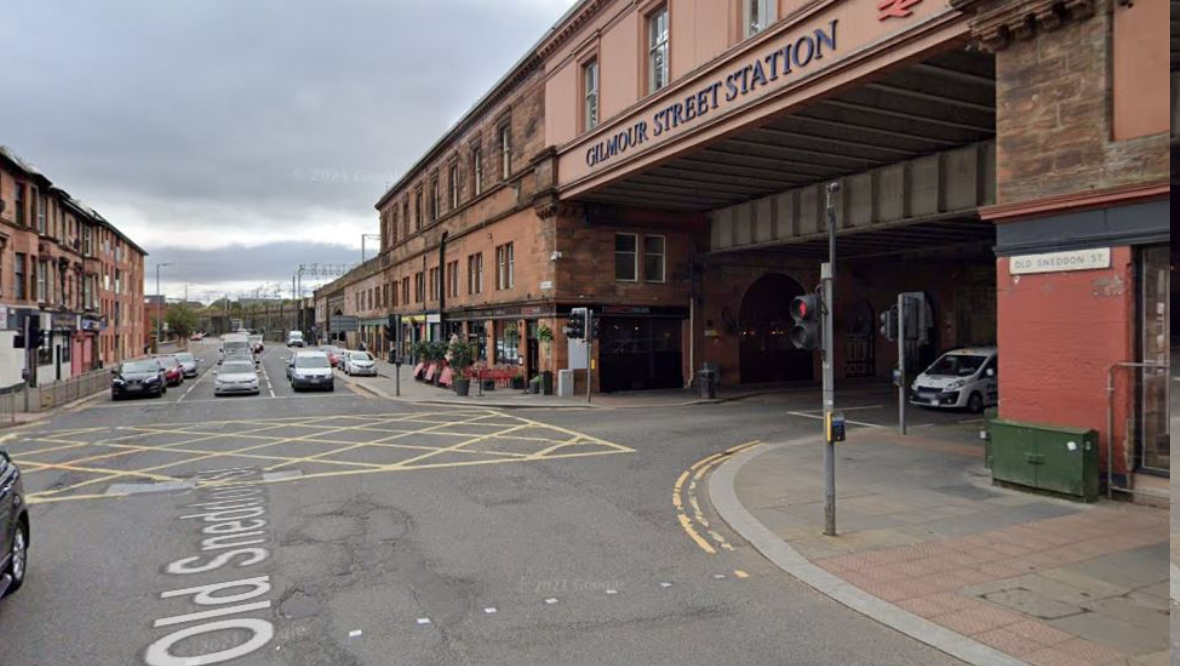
x,y
14,527
142,377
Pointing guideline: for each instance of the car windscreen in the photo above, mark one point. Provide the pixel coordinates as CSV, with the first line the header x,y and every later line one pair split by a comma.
x,y
361,356
237,368
185,358
956,365
235,344
141,366
311,362
169,361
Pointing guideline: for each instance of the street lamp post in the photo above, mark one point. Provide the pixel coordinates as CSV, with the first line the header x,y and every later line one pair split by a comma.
x,y
159,314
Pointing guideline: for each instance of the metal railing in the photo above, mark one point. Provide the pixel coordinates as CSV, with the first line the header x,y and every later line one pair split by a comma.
x,y
52,395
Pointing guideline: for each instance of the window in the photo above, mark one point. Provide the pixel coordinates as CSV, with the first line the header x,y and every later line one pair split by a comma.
x,y
506,352
88,292
418,210
434,284
626,257
759,15
590,81
658,71
419,287
505,152
20,204
435,199
87,248
475,274
654,263
453,279
20,284
453,184
42,281
505,267
393,226
477,169
406,290
406,217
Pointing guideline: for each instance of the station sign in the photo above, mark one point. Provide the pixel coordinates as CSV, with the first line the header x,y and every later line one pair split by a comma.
x,y
1060,262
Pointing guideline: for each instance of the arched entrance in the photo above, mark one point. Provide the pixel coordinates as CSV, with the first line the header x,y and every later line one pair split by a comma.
x,y
859,342
766,351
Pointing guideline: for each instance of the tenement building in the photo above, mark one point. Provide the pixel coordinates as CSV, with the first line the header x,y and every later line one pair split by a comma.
x,y
71,284
667,162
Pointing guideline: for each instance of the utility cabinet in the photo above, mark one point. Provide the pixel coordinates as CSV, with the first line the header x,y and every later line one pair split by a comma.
x,y
1049,458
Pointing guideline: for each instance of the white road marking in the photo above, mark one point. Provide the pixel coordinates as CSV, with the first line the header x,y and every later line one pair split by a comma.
x,y
665,585
820,418
550,601
190,389
354,633
612,592
269,386
843,409
490,610
422,621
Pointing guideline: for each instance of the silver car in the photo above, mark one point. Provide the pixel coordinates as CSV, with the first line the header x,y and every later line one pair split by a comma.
x,y
236,377
189,364
360,363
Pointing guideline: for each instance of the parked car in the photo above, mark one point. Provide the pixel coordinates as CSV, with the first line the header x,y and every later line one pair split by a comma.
x,y
142,377
963,378
256,344
236,376
295,339
173,370
14,527
341,358
333,354
360,363
189,363
311,370
196,337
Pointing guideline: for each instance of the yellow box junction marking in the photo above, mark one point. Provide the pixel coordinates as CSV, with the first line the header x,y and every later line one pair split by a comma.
x,y
425,435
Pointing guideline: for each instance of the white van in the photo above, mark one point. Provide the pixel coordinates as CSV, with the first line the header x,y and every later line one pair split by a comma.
x,y
963,378
234,343
295,339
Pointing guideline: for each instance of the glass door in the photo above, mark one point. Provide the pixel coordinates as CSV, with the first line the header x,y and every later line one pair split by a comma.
x,y
1155,384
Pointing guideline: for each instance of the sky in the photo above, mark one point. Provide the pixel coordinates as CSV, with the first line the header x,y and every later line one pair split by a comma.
x,y
240,139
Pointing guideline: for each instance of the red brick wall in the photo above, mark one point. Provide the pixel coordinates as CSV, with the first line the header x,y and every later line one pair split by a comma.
x,y
1060,334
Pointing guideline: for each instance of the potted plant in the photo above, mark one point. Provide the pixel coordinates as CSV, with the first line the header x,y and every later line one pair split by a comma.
x,y
436,352
462,358
535,385
518,382
418,350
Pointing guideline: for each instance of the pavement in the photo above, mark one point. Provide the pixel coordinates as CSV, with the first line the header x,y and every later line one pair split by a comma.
x,y
340,528
928,546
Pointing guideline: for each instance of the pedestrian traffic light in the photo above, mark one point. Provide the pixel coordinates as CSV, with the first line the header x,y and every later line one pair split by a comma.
x,y
805,310
575,328
889,324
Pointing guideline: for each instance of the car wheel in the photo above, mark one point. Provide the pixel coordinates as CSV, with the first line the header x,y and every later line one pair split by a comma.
x,y
114,396
19,565
975,403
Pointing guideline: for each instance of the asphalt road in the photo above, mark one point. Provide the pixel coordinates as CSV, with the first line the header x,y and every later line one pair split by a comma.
x,y
353,530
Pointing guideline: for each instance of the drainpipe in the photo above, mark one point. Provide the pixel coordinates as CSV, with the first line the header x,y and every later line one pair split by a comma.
x,y
442,283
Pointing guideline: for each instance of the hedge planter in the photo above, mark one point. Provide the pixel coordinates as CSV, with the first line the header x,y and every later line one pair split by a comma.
x,y
463,387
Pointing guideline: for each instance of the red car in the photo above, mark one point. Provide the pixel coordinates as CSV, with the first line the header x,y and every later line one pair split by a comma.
x,y
173,370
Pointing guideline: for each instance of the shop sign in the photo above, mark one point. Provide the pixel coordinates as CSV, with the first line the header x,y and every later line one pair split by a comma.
x,y
1061,262
616,309
64,322
342,324
785,62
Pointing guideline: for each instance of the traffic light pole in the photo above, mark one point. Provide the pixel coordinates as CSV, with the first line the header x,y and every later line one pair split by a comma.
x,y
828,274
901,378
589,355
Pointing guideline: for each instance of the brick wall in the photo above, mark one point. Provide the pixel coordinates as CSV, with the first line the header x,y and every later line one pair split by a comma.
x,y
1054,117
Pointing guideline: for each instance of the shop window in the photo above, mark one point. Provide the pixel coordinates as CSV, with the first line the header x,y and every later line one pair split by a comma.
x,y
658,70
626,257
590,83
654,259
506,352
759,15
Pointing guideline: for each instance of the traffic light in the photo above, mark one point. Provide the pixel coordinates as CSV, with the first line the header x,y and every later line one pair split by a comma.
x,y
912,317
805,310
575,328
36,337
392,327
596,327
889,324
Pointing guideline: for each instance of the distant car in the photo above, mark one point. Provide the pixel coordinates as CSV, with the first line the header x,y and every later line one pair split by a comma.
x,y
173,370
236,376
196,337
295,339
963,378
256,344
360,363
333,354
14,527
142,377
341,358
189,364
311,370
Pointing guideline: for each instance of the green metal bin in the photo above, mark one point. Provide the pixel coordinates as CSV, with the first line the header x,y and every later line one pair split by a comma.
x,y
1055,459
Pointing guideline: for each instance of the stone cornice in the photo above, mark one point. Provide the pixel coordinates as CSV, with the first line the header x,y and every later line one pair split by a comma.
x,y
997,23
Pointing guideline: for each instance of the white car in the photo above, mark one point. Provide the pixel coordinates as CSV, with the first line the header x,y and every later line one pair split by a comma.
x,y
963,378
295,339
311,369
236,376
360,363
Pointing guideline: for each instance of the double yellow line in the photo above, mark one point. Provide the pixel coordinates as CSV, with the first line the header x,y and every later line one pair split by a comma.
x,y
688,508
